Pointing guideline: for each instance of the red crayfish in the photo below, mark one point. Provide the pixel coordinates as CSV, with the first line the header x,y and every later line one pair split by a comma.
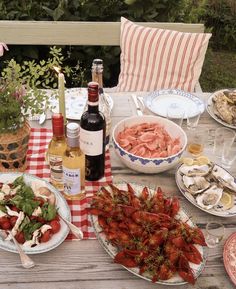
x,y
144,229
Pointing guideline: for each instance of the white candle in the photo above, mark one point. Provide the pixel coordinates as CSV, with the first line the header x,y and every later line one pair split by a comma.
x,y
61,92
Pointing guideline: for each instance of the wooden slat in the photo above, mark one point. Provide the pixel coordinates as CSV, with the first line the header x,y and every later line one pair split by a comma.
x,y
74,33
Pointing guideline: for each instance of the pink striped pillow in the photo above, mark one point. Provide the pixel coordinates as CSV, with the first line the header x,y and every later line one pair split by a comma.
x,y
153,58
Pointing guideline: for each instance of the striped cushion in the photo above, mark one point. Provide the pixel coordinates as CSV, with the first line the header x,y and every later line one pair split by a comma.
x,y
156,58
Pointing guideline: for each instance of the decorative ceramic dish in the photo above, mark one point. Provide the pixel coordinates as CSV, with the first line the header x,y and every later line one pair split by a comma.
x,y
158,101
205,185
63,210
75,99
229,257
149,165
222,108
112,250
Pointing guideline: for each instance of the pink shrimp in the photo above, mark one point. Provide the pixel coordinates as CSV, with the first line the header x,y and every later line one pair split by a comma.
x,y
149,140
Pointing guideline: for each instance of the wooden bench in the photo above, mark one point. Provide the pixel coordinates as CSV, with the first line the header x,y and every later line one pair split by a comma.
x,y
75,33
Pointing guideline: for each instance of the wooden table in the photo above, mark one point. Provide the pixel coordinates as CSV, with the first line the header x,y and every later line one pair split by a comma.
x,y
85,264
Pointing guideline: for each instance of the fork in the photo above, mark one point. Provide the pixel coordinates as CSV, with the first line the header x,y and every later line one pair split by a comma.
x,y
136,103
75,230
26,261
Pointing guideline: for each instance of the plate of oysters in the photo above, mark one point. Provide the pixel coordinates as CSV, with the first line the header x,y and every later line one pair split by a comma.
x,y
221,105
209,187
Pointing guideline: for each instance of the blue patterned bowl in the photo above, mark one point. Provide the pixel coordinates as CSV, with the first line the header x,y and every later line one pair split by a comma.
x,y
149,165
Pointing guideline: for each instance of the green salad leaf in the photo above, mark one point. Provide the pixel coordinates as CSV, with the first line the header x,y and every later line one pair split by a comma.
x,y
3,202
18,182
27,205
3,208
28,227
25,191
49,212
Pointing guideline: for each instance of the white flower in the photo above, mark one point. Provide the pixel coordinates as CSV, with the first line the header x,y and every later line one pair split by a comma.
x,y
2,47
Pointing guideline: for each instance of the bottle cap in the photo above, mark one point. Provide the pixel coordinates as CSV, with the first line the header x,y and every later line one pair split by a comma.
x,y
97,66
57,124
98,61
72,130
93,91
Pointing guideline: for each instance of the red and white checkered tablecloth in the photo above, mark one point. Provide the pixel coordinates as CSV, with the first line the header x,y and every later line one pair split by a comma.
x,y
38,144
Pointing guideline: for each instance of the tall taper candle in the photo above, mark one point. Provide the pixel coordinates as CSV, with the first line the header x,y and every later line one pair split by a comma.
x,y
61,92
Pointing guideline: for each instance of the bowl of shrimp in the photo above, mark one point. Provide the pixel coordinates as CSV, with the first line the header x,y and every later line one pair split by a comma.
x,y
149,144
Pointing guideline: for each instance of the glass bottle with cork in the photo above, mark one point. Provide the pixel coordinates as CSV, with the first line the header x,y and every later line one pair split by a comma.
x,y
73,163
55,151
92,136
104,106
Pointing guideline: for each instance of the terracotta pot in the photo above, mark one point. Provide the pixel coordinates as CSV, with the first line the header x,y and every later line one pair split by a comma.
x,y
13,149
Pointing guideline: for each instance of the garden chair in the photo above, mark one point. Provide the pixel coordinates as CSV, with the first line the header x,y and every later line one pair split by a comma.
x,y
77,33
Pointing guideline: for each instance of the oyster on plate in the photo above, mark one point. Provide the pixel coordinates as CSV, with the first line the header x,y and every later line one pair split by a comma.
x,y
210,186
231,95
210,198
224,206
225,105
223,177
196,185
195,170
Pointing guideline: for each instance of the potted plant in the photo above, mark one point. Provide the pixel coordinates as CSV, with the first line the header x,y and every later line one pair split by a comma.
x,y
21,95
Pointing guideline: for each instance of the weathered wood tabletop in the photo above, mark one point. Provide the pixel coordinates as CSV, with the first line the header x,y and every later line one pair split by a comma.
x,y
85,264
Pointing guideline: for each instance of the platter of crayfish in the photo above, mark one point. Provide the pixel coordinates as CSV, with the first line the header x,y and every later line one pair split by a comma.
x,y
148,233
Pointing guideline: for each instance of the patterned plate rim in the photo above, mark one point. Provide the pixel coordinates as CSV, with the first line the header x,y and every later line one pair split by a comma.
x,y
56,239
147,98
73,116
104,243
226,264
185,194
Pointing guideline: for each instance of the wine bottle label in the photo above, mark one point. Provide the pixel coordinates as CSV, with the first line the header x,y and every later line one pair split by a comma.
x,y
91,142
55,163
72,182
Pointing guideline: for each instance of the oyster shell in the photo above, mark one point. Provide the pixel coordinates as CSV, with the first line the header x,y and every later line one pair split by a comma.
x,y
224,178
210,197
224,106
231,95
195,170
221,206
195,185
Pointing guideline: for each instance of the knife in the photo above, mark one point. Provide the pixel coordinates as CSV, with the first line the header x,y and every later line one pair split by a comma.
x,y
138,109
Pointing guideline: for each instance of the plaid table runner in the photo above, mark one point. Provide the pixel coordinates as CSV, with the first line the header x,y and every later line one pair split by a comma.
x,y
38,143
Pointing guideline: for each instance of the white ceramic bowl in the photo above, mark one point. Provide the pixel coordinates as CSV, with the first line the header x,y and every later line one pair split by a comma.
x,y
149,165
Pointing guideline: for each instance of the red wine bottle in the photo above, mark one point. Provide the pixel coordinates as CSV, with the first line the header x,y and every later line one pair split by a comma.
x,y
92,136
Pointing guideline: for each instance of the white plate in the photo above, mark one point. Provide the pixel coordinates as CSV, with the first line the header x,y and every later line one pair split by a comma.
x,y
211,111
75,99
63,209
112,251
228,213
158,101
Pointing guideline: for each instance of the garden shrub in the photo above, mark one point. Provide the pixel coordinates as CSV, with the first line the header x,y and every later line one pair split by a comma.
x,y
219,17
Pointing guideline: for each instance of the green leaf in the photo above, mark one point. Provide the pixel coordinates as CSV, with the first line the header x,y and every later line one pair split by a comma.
x,y
49,212
3,208
24,223
28,228
19,181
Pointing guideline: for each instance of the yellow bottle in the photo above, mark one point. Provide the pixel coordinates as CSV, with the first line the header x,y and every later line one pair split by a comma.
x,y
56,148
73,163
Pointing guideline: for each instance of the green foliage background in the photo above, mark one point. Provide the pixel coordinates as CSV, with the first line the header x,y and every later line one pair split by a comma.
x,y
219,17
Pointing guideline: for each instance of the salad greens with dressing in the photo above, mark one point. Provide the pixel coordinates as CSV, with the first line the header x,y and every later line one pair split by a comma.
x,y
29,215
